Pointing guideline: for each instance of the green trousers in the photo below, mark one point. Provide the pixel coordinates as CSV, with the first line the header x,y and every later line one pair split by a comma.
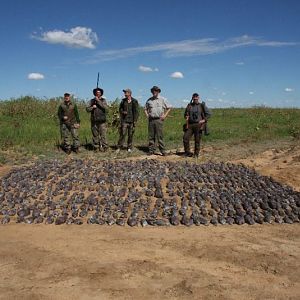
x,y
126,128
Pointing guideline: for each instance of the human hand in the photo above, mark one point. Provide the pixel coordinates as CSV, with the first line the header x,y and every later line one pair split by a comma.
x,y
65,118
94,106
77,125
202,121
162,117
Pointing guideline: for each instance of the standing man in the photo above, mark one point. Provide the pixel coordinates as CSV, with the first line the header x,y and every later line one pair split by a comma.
x,y
129,113
69,123
98,108
156,110
195,121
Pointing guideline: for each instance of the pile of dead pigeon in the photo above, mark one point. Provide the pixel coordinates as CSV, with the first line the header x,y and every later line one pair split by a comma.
x,y
144,193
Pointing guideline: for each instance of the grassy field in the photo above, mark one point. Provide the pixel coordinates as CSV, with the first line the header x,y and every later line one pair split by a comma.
x,y
29,126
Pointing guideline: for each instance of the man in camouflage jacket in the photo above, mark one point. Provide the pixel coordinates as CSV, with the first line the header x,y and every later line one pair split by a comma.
x,y
69,123
129,113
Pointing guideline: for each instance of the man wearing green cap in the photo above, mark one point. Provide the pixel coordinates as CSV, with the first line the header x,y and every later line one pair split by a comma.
x,y
69,123
129,113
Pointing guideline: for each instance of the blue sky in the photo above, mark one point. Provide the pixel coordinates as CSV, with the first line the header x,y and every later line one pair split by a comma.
x,y
232,52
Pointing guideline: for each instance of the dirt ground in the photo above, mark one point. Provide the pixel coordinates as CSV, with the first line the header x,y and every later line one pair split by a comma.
x,y
214,262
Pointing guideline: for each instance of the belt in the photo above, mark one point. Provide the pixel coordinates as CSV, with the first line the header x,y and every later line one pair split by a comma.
x,y
156,118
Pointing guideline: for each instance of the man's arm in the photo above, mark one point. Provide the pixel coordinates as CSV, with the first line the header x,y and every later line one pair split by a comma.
x,y
121,108
76,114
207,112
167,108
146,110
165,114
90,107
136,111
60,114
102,104
186,114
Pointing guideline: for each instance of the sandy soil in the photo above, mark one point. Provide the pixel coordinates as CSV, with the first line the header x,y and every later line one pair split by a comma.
x,y
102,262
95,262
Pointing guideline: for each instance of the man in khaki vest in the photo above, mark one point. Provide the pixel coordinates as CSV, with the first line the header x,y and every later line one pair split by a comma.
x,y
156,109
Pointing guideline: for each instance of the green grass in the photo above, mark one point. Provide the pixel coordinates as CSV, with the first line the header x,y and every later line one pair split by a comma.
x,y
29,126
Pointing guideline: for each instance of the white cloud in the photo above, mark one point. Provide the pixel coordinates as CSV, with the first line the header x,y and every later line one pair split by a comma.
x,y
251,93
289,89
240,63
35,76
205,46
177,75
220,102
77,37
147,69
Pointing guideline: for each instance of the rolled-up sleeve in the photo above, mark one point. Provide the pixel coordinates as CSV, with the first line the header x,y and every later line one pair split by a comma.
x,y
166,104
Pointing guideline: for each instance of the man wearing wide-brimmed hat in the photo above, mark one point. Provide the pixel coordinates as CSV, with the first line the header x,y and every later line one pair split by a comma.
x,y
98,108
156,109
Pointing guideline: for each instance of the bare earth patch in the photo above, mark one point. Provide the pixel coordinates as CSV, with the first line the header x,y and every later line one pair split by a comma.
x,y
282,165
102,262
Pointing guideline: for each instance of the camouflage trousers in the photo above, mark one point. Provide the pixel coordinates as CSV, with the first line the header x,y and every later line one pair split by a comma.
x,y
69,136
123,130
155,134
99,130
193,130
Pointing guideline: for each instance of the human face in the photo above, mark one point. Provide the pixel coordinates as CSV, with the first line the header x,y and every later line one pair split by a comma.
x,y
155,93
127,94
196,99
67,98
98,94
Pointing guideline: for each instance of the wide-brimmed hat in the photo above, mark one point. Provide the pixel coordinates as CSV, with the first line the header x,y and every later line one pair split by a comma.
x,y
155,88
98,89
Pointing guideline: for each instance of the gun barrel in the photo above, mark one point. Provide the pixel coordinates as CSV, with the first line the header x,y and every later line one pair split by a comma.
x,y
98,80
